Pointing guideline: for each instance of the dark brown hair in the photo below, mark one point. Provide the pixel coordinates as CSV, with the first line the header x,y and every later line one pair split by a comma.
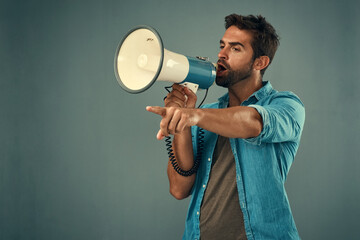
x,y
265,39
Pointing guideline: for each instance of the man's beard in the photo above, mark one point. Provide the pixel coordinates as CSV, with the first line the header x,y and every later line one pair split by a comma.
x,y
232,77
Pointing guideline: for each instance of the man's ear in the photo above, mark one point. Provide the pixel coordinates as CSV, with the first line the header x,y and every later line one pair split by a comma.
x,y
261,62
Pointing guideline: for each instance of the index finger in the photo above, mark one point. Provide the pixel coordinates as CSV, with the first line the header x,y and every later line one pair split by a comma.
x,y
157,110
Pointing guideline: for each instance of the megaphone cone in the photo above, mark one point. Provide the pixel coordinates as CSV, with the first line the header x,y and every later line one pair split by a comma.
x,y
141,60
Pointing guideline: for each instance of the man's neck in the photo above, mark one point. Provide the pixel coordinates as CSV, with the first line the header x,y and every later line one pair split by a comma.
x,y
242,90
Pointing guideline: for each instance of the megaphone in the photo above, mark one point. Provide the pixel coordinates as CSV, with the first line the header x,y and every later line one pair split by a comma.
x,y
141,60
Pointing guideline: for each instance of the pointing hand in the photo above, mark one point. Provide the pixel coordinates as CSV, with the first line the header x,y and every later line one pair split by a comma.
x,y
174,119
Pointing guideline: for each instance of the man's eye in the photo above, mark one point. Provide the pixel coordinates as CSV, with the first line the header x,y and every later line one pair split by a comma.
x,y
221,47
235,49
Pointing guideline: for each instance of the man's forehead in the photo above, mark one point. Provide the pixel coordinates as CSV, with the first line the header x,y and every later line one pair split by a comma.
x,y
234,34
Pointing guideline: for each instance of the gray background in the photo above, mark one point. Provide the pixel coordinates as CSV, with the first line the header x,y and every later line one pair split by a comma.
x,y
78,155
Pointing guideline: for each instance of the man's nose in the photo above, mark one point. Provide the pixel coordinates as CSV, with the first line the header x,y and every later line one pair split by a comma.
x,y
222,54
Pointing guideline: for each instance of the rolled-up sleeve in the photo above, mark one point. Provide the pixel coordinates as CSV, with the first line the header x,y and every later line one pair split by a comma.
x,y
283,119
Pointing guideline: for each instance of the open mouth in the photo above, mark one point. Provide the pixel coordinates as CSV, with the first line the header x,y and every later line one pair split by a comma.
x,y
221,68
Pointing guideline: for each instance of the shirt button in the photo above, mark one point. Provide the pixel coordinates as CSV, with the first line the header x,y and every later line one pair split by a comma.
x,y
204,186
209,159
197,213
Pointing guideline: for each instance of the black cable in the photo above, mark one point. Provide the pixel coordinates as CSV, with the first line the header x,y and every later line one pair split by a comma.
x,y
175,164
168,89
203,98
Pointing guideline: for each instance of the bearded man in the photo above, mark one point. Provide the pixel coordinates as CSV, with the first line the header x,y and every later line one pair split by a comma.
x,y
249,141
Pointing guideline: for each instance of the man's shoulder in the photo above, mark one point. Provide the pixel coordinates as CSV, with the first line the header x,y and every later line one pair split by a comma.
x,y
275,95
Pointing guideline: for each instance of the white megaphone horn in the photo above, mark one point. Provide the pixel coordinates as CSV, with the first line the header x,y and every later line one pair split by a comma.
x,y
141,60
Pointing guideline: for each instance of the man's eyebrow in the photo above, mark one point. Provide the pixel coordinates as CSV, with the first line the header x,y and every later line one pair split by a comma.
x,y
233,43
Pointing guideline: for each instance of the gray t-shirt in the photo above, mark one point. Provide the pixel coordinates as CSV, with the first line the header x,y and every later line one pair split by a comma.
x,y
221,216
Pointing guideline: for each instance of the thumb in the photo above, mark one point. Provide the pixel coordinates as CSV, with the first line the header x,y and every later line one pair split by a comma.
x,y
159,135
191,98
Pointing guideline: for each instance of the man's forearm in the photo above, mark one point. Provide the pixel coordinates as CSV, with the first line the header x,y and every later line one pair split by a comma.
x,y
233,122
180,186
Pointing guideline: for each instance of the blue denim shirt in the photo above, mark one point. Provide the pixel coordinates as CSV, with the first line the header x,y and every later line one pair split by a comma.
x,y
262,164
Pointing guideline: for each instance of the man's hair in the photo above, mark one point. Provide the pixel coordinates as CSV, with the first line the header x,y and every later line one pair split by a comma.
x,y
265,39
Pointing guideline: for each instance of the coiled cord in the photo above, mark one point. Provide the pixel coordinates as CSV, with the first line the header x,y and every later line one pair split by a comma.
x,y
175,164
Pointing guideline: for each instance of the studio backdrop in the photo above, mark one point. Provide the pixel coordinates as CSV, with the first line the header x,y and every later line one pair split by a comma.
x,y
79,157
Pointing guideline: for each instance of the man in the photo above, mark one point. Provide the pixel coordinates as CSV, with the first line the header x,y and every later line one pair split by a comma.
x,y
251,137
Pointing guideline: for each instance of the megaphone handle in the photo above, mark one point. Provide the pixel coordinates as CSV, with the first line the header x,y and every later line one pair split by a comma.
x,y
192,86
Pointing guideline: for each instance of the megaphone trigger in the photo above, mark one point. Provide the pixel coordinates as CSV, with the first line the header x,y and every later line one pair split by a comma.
x,y
192,86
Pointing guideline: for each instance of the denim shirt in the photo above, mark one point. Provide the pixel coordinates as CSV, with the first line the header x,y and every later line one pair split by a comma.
x,y
262,164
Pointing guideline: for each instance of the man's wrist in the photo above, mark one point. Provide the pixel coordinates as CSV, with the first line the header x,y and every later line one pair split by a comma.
x,y
198,115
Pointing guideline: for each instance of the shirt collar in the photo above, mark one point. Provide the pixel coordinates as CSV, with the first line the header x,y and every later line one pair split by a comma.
x,y
262,92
